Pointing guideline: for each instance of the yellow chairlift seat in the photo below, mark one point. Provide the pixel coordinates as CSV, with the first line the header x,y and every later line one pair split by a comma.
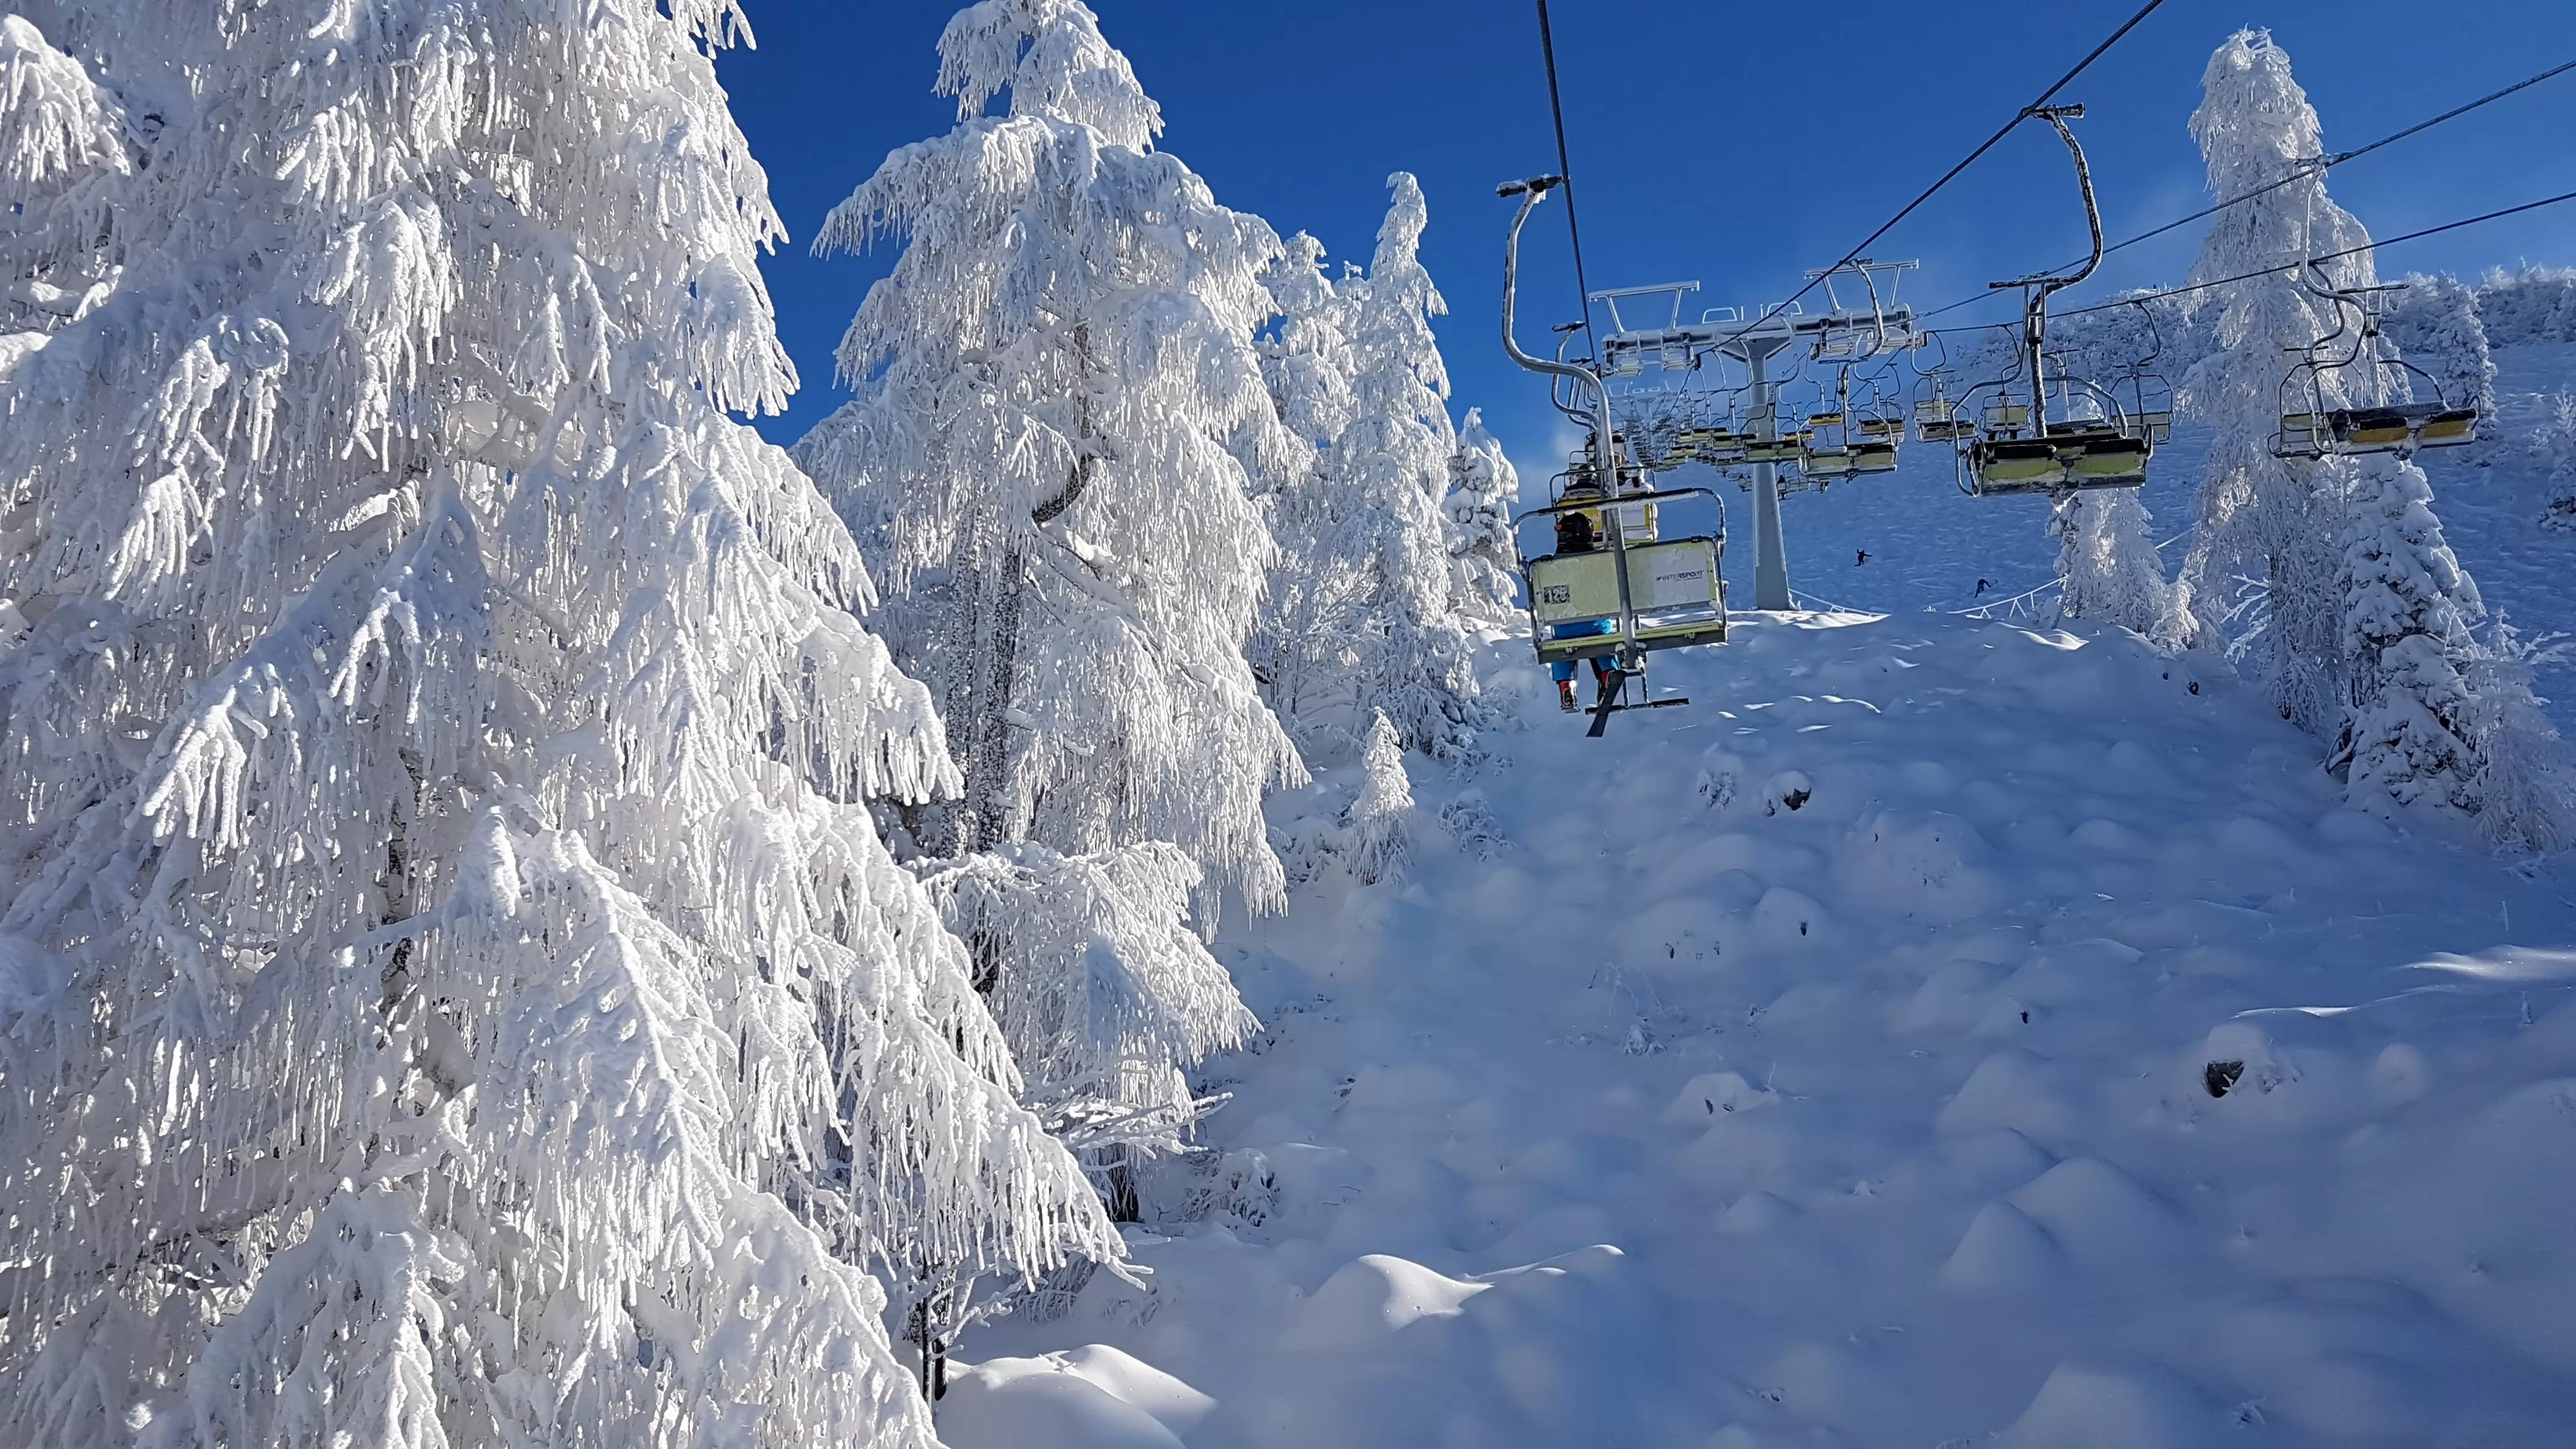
x,y
2105,458
2376,430
2087,455
2016,465
1825,462
2006,415
2448,428
1824,420
1874,458
1944,430
2158,425
1882,427
2371,429
1674,587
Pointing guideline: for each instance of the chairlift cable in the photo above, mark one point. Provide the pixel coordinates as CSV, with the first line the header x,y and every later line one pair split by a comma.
x,y
2305,169
2135,298
1565,169
2312,261
1952,174
2323,164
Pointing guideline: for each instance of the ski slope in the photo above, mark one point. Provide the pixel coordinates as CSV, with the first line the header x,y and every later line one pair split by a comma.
x,y
1653,1111
1928,545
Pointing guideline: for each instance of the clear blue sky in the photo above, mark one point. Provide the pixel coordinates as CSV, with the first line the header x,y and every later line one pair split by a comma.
x,y
1732,144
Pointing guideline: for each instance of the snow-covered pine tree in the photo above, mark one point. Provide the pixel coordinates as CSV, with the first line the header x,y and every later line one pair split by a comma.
x,y
1367,596
1373,840
2279,521
1308,365
2107,570
2371,617
2553,455
1103,993
2407,611
64,159
1484,561
451,992
1056,386
2527,305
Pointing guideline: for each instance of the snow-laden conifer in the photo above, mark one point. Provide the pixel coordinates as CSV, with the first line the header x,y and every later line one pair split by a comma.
x,y
1056,386
2407,611
1484,560
2276,521
64,156
1366,603
451,992
2107,569
1103,993
1308,365
1374,840
2553,457
2370,618
2527,305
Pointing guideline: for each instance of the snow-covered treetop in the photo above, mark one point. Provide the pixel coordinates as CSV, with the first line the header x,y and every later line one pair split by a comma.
x,y
1397,347
1049,54
1309,365
2254,127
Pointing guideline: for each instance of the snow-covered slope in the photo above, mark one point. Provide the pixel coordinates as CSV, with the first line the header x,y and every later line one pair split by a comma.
x,y
1928,545
1654,1111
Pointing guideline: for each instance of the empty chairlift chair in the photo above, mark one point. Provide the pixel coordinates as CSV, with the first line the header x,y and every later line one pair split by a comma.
x,y
2312,428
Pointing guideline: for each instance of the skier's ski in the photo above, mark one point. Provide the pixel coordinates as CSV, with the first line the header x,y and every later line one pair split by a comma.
x,y
1613,685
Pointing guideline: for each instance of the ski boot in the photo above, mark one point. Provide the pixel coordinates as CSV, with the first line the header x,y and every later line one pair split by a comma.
x,y
1565,695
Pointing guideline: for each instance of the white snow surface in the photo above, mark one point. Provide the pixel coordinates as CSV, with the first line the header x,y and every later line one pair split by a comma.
x,y
1647,1109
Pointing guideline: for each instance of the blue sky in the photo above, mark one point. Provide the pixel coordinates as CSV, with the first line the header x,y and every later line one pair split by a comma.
x,y
1732,144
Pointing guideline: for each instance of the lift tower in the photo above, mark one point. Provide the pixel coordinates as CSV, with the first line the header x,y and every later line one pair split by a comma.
x,y
1838,335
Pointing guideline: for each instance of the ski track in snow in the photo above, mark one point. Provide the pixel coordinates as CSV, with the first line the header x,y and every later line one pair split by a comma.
x,y
1679,1117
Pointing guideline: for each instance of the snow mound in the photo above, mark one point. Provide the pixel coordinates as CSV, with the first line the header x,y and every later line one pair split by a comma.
x,y
2095,1408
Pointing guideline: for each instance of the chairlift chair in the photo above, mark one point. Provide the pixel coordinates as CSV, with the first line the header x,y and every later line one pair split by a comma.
x,y
2319,430
1675,594
2014,447
1628,599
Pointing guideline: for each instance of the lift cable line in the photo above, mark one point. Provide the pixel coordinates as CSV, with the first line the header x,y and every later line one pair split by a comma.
x,y
2133,300
2313,167
1565,171
2324,163
2024,114
2563,196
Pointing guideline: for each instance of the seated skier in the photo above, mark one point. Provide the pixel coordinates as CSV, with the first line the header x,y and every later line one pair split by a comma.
x,y
1577,532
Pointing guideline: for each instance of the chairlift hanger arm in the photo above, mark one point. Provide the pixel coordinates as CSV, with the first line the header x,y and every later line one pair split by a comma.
x,y
2045,283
